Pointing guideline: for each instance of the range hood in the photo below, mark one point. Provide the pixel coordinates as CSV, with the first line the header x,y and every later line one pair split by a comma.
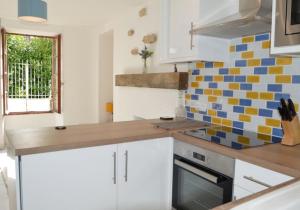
x,y
251,17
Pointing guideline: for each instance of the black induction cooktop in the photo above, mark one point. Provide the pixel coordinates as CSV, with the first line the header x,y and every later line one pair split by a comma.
x,y
232,137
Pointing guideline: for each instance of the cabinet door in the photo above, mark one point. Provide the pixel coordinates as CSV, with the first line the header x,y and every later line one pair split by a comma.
x,y
145,175
182,14
77,179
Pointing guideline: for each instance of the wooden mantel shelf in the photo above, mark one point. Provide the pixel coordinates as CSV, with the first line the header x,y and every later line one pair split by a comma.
x,y
173,80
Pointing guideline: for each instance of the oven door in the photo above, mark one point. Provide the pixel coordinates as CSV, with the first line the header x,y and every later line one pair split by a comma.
x,y
196,187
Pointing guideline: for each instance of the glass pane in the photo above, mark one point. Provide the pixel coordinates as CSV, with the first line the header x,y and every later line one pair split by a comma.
x,y
295,19
195,193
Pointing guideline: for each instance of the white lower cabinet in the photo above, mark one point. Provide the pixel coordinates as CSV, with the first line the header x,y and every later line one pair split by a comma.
x,y
131,176
250,179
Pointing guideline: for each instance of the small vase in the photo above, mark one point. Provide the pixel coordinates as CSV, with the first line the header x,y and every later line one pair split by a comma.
x,y
145,67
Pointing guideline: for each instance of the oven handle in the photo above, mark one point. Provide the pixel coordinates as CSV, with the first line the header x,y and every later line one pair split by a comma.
x,y
197,171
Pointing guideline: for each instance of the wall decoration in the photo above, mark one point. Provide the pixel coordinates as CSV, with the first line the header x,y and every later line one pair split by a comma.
x,y
143,12
135,51
150,38
131,32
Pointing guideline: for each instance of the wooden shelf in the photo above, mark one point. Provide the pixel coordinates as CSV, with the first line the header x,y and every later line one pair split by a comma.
x,y
173,80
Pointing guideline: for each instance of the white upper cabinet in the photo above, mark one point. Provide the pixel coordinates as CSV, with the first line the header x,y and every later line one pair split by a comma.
x,y
177,43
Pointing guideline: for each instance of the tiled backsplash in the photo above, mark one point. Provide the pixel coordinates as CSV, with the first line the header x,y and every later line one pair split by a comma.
x,y
246,93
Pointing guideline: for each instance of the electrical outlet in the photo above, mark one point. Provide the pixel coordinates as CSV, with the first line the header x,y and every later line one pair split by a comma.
x,y
201,106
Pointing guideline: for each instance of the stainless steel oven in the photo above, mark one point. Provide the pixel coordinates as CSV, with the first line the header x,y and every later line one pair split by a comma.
x,y
287,23
202,179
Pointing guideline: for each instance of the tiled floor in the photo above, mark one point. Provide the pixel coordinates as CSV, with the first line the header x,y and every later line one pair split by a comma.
x,y
3,195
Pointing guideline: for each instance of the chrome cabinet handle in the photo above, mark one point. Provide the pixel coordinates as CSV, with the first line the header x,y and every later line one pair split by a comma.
x,y
126,166
192,35
115,168
257,181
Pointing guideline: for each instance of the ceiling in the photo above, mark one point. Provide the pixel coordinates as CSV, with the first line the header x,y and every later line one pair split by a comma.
x,y
75,12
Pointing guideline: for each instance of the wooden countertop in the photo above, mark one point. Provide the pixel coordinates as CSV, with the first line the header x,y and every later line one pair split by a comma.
x,y
276,157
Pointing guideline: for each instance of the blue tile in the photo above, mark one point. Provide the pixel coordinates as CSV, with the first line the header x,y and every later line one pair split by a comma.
x,y
215,139
240,78
209,64
199,91
273,104
276,139
238,124
223,71
245,102
217,106
238,109
241,47
188,108
262,37
237,131
236,145
221,134
190,115
285,96
246,86
265,113
260,70
274,88
195,97
196,72
213,85
277,132
228,78
228,93
207,118
222,114
296,78
268,61
240,63
208,78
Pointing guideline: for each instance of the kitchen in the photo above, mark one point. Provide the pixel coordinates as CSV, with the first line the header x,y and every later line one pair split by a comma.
x,y
233,90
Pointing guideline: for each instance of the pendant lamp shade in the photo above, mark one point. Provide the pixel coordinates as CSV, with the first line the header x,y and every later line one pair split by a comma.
x,y
32,10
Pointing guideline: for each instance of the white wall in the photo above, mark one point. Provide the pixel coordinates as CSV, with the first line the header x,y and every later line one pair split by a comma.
x,y
79,76
143,102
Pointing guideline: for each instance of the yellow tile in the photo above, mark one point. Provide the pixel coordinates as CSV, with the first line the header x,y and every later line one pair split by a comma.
x,y
247,55
208,91
234,71
266,44
283,79
217,92
188,97
218,78
266,96
232,48
275,70
218,64
227,122
245,118
226,128
253,79
273,122
195,84
199,78
212,99
216,120
264,129
243,140
251,111
194,110
264,137
297,107
253,62
200,65
211,132
233,101
284,61
212,112
248,39
252,95
234,86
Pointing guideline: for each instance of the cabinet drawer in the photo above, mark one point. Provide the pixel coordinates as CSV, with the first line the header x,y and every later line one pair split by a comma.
x,y
239,192
254,178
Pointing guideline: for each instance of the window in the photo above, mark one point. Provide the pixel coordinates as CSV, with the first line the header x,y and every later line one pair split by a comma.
x,y
31,73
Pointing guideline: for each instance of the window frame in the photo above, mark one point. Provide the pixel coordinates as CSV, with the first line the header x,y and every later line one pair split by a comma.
x,y
54,109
